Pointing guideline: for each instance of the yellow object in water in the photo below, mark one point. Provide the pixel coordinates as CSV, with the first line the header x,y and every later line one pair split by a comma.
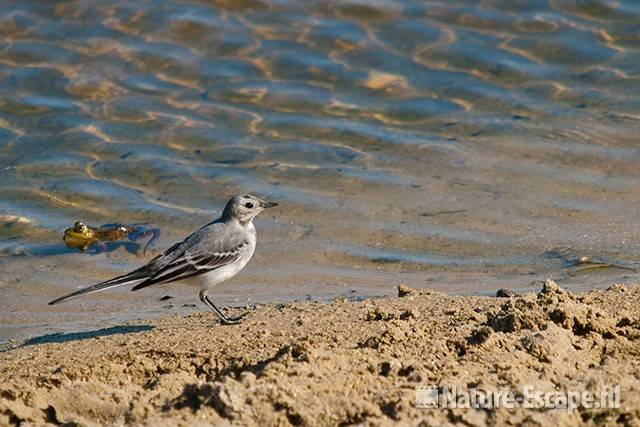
x,y
82,236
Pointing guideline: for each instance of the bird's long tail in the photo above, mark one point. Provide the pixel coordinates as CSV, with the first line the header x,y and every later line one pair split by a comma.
x,y
133,277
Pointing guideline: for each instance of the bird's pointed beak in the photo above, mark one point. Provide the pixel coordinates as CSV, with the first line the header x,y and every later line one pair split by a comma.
x,y
266,204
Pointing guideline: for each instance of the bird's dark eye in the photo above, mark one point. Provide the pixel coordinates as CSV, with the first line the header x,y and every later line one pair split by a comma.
x,y
248,205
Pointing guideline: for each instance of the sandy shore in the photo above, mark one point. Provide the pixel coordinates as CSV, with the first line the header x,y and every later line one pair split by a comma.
x,y
339,363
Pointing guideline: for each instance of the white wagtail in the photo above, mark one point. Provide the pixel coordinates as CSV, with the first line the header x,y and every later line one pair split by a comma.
x,y
208,256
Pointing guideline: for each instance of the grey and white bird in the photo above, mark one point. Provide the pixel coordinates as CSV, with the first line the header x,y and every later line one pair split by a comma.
x,y
207,257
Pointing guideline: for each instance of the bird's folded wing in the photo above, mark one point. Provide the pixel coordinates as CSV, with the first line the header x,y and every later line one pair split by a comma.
x,y
191,263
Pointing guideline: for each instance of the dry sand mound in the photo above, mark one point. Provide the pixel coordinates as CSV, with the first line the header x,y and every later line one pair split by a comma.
x,y
337,364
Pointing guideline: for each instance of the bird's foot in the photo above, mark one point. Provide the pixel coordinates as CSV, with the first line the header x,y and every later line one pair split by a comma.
x,y
232,320
223,318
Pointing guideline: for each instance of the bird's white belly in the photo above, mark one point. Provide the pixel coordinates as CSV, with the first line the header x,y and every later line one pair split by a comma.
x,y
221,274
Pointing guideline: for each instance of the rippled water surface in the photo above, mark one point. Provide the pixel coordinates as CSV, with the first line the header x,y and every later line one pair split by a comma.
x,y
457,145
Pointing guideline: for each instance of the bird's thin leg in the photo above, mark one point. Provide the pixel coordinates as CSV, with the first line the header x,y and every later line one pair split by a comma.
x,y
224,319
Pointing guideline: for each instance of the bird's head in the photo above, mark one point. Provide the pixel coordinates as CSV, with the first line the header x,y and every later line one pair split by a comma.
x,y
244,207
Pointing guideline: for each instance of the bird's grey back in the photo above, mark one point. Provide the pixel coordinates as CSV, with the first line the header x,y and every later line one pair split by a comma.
x,y
215,237
219,236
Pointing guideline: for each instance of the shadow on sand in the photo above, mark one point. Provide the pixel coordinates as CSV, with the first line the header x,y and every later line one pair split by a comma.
x,y
75,336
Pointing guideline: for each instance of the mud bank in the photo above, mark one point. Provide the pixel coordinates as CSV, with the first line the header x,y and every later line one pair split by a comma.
x,y
339,363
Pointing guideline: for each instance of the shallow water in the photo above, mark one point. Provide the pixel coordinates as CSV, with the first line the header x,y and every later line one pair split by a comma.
x,y
460,146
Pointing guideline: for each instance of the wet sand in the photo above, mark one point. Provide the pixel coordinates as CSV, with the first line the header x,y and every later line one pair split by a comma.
x,y
308,363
